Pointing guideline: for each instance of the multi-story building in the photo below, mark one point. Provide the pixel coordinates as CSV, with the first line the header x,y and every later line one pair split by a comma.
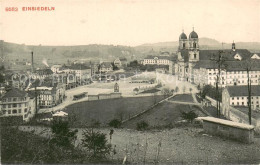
x,y
156,60
49,94
238,96
234,73
200,66
18,103
106,67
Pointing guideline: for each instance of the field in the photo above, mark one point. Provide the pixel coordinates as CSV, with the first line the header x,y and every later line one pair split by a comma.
x,y
163,114
182,145
105,110
182,98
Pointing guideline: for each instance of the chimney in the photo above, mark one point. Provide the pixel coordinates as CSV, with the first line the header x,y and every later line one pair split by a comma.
x,y
32,67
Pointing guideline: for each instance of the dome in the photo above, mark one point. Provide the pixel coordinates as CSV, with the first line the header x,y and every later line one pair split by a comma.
x,y
193,34
183,36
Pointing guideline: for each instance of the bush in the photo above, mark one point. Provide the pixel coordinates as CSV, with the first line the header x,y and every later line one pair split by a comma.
x,y
189,116
142,125
115,123
96,143
62,135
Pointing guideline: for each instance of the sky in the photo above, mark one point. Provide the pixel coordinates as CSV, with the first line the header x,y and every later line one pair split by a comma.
x,y
128,22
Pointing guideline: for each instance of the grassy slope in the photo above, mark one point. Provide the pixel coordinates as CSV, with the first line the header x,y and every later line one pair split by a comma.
x,y
106,110
163,114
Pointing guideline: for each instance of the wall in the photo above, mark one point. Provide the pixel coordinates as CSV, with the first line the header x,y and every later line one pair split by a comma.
x,y
235,115
243,135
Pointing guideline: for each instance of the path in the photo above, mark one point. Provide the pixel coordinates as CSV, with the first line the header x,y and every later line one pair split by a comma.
x,y
182,102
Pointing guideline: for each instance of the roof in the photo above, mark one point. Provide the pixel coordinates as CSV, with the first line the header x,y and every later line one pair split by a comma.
x,y
14,92
183,36
60,114
243,90
227,122
159,57
78,67
44,71
193,34
106,64
228,65
228,54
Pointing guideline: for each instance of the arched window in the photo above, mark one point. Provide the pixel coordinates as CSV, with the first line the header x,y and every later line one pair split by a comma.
x,y
194,45
195,55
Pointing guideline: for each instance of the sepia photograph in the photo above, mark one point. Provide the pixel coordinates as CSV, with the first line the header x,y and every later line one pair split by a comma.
x,y
142,82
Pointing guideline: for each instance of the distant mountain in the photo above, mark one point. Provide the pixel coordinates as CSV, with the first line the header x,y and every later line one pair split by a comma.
x,y
204,43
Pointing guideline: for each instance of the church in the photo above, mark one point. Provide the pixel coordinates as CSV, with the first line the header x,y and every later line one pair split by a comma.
x,y
193,62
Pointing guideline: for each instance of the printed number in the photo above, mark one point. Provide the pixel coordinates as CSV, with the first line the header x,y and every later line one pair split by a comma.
x,y
11,9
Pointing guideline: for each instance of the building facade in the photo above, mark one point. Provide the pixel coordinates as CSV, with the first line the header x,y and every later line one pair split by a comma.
x,y
18,103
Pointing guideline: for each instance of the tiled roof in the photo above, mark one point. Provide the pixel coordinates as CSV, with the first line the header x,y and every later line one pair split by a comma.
x,y
14,92
243,90
228,54
228,65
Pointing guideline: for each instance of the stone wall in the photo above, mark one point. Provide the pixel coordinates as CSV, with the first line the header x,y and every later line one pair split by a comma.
x,y
243,135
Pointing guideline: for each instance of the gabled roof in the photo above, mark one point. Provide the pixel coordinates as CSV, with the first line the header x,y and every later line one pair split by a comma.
x,y
106,64
14,92
243,90
227,65
228,54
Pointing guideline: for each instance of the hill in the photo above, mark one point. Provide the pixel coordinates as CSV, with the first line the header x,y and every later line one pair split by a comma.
x,y
13,53
204,43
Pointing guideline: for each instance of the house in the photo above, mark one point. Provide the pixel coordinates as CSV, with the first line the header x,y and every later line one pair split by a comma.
x,y
50,94
106,67
117,62
238,96
18,103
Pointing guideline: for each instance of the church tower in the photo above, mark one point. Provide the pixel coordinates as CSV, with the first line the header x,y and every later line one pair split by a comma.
x,y
183,42
193,46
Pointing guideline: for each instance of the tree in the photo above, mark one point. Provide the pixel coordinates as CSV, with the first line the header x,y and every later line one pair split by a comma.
x,y
189,116
166,92
96,143
248,65
136,90
220,65
115,123
63,136
142,125
177,89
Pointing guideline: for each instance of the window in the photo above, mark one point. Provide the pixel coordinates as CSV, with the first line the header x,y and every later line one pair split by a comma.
x,y
14,105
237,98
14,99
9,105
19,111
25,110
237,103
4,106
9,111
14,111
232,98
